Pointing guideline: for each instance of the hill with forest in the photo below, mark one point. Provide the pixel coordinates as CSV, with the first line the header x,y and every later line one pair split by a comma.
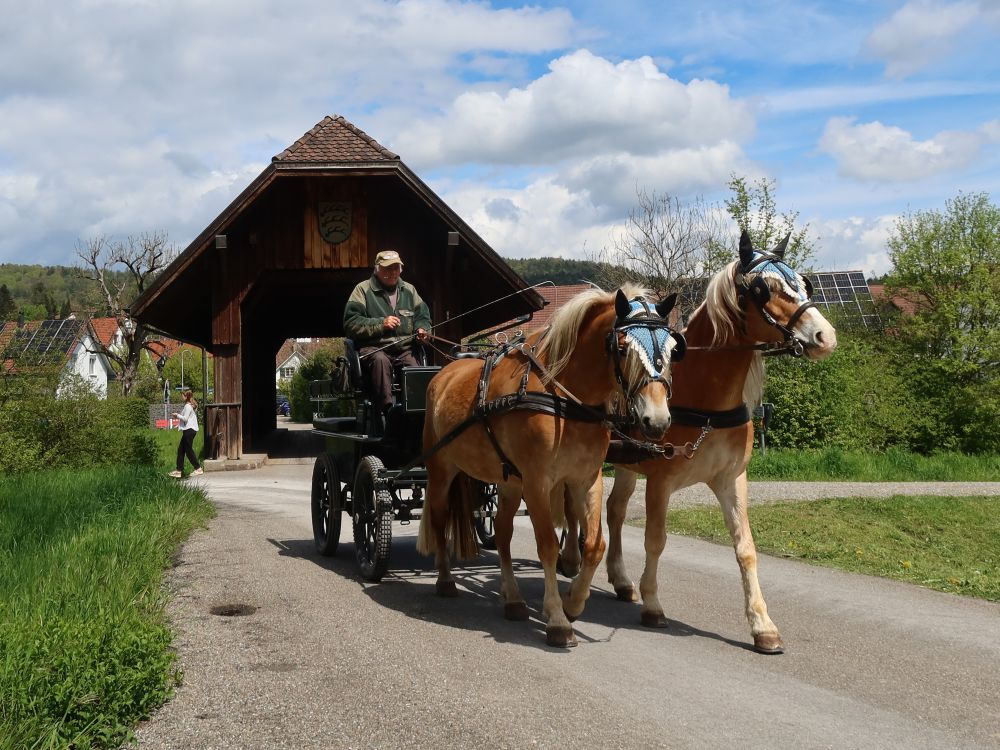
x,y
48,292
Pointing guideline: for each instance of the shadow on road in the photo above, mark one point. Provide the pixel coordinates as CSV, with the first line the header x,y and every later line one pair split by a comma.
x,y
408,588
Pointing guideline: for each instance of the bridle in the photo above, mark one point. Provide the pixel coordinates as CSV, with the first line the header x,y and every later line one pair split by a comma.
x,y
644,328
758,291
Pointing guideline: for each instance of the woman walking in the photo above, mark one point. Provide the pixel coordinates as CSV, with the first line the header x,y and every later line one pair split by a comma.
x,y
189,428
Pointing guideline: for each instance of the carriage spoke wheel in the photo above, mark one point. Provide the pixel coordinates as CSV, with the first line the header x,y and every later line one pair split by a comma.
x,y
372,520
327,504
485,529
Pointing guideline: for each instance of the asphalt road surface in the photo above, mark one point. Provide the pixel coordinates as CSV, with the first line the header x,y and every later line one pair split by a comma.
x,y
325,660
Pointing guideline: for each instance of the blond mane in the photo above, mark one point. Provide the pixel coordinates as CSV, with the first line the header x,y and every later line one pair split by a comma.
x,y
559,339
722,305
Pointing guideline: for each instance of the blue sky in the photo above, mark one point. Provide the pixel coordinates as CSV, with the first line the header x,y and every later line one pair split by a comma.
x,y
536,123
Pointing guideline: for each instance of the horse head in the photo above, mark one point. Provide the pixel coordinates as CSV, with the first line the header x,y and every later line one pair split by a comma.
x,y
643,346
781,298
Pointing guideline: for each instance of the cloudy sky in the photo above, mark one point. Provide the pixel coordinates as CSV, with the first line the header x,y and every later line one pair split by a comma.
x,y
537,123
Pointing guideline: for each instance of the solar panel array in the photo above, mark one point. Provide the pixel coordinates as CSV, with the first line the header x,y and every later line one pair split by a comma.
x,y
51,338
847,291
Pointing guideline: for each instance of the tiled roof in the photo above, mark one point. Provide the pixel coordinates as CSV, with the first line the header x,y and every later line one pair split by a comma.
x,y
305,348
105,329
906,306
37,340
556,296
335,140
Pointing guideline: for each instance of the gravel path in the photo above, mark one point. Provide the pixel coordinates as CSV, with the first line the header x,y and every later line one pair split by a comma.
x,y
778,492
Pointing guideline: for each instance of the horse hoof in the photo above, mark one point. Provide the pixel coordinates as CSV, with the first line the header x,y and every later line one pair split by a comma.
x,y
567,571
446,588
654,620
515,611
560,636
768,643
626,594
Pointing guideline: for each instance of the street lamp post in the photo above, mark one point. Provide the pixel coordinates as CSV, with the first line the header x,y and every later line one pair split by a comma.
x,y
183,352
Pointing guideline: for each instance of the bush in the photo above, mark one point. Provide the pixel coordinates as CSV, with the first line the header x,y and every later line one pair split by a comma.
x,y
68,425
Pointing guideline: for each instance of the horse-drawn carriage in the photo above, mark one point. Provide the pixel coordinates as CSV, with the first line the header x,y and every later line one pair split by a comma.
x,y
368,469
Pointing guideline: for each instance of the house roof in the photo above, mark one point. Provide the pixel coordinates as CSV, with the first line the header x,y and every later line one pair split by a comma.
x,y
903,304
38,340
335,140
555,297
333,145
292,347
104,329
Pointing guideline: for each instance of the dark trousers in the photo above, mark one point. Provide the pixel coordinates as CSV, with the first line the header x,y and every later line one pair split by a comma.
x,y
186,447
378,371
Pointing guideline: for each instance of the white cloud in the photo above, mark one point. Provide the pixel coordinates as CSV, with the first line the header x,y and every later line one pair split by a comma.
x,y
852,244
921,32
876,152
584,105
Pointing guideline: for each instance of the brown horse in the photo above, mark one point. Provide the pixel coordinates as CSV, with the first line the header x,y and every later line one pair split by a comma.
x,y
757,303
587,354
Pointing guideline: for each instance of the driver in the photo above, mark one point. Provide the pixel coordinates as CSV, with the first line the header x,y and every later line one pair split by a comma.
x,y
382,316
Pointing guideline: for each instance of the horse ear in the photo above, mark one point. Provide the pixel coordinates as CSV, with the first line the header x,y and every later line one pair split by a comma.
x,y
622,306
680,346
779,249
665,305
746,249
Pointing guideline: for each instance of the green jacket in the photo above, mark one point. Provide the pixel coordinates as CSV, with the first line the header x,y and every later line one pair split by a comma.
x,y
368,306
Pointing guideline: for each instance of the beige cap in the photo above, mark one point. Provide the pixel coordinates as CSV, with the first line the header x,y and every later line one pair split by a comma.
x,y
388,258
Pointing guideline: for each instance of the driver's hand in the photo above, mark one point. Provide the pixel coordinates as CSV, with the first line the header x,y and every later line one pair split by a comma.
x,y
421,335
391,322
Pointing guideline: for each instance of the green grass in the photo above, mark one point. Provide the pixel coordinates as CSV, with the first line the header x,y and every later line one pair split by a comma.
x,y
84,650
166,448
834,464
946,543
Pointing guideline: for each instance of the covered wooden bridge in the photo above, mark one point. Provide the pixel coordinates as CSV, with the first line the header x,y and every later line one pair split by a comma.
x,y
281,260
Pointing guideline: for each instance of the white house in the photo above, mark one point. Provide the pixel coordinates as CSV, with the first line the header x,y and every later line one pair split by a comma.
x,y
37,341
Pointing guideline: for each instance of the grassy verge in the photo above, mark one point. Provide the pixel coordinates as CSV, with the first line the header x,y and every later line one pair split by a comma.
x,y
166,449
945,543
834,464
84,651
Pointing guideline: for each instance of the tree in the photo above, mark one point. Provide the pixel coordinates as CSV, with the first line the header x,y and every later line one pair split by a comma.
x,y
755,211
8,308
141,257
666,245
946,265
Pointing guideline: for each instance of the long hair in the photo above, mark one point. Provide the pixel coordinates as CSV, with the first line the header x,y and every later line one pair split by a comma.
x,y
559,340
722,303
188,397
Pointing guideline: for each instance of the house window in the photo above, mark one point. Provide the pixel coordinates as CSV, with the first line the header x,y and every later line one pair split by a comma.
x,y
93,365
287,372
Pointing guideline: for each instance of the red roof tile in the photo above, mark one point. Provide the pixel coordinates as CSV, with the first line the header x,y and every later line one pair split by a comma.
x,y
105,329
556,296
335,140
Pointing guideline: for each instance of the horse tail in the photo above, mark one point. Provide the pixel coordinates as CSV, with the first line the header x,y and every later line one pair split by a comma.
x,y
426,540
461,530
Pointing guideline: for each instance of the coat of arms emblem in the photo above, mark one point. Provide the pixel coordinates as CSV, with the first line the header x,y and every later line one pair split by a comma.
x,y
334,220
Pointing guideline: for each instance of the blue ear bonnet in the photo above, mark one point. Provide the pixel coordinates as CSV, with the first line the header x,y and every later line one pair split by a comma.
x,y
654,343
777,269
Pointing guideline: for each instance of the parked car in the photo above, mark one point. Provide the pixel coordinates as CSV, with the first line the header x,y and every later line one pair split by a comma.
x,y
282,404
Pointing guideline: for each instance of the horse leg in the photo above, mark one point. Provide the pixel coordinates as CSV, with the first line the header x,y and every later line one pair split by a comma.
x,y
558,631
588,508
732,496
621,493
569,555
657,500
514,606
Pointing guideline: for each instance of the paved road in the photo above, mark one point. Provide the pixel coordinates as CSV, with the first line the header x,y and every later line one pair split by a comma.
x,y
327,660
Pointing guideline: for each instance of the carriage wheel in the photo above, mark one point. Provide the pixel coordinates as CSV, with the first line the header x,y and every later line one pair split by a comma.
x,y
327,504
484,525
372,520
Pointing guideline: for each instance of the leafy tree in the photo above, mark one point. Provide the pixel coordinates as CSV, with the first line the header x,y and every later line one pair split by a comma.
x,y
142,258
755,211
946,265
192,370
8,308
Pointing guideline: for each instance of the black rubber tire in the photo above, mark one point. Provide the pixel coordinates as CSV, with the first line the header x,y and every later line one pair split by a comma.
x,y
372,520
327,505
485,529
